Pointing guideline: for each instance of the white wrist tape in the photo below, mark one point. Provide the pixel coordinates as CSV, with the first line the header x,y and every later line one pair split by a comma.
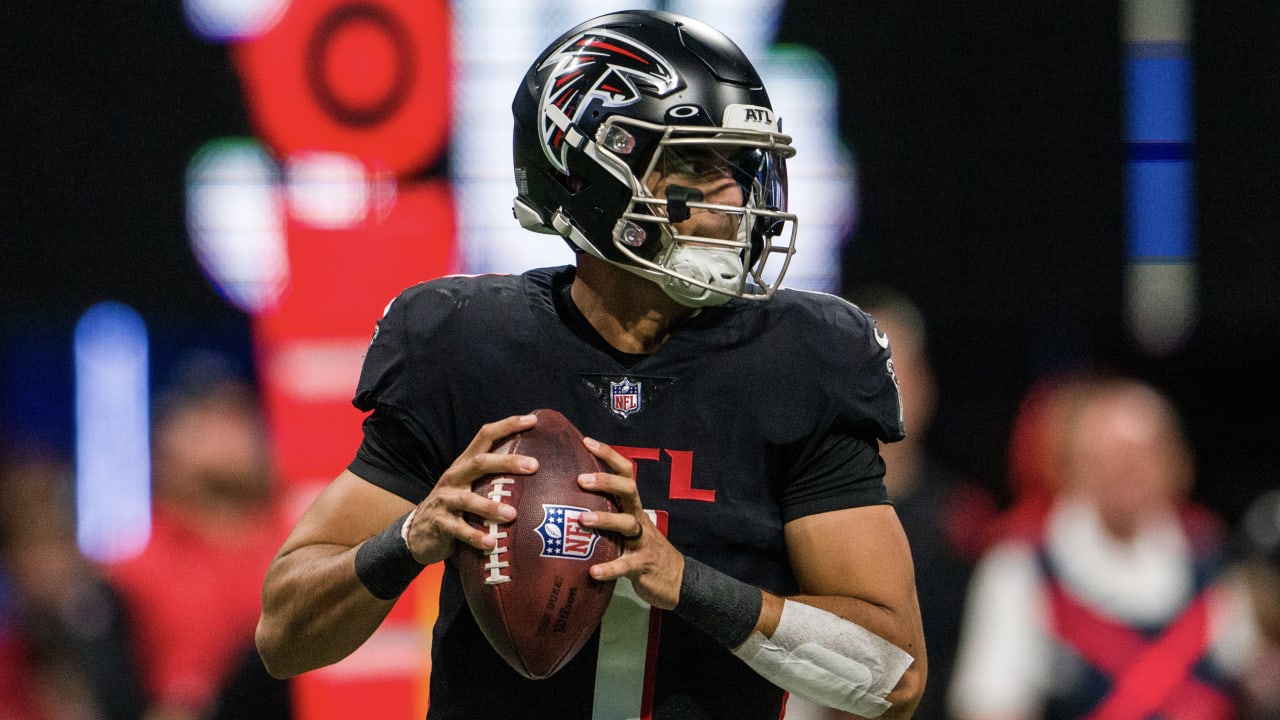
x,y
822,657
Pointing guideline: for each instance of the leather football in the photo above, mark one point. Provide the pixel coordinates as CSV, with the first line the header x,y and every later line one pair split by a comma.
x,y
531,595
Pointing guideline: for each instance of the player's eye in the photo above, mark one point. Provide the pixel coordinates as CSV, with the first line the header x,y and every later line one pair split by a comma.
x,y
694,162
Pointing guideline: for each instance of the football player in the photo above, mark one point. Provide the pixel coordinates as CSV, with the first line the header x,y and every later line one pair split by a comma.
x,y
740,421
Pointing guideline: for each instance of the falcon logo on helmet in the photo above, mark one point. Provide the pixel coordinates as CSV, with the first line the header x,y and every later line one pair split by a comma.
x,y
597,65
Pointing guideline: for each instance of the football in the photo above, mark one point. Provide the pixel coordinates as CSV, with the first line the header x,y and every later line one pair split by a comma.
x,y
531,595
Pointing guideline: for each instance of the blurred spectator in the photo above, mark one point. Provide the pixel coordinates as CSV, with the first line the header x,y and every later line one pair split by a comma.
x,y
64,652
195,590
945,517
1119,606
1259,560
1035,452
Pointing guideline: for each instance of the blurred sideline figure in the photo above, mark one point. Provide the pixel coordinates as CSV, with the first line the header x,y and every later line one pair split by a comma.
x,y
194,593
64,651
945,516
1119,605
1259,560
1034,452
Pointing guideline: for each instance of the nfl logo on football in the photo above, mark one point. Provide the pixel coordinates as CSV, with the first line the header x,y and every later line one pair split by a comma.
x,y
563,536
624,397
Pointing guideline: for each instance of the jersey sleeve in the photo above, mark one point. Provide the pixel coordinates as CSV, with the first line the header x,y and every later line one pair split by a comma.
x,y
843,471
859,374
400,450
383,380
840,466
390,457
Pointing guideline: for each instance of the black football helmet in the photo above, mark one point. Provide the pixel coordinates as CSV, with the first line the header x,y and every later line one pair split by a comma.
x,y
632,96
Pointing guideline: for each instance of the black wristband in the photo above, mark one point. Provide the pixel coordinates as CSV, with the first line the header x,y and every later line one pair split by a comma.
x,y
723,607
384,563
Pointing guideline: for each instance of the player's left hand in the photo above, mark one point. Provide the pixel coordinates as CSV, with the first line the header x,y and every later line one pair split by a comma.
x,y
654,566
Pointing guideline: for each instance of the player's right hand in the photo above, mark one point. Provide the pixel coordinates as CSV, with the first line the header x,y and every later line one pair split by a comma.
x,y
439,522
649,560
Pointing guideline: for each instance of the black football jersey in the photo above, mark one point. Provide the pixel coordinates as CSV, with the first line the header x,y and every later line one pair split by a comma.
x,y
750,415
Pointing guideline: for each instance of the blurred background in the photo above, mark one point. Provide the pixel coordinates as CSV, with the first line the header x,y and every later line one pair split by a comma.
x,y
1056,186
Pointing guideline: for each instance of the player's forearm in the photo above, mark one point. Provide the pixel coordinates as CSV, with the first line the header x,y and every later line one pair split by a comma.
x,y
905,697
315,610
849,638
807,650
898,626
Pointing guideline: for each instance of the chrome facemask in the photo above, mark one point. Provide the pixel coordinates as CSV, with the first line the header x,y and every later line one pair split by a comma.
x,y
697,270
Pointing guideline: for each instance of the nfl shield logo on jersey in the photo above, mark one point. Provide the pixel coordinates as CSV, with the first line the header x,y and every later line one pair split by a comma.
x,y
624,397
563,536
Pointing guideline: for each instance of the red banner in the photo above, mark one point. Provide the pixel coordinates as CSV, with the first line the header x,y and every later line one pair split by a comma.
x,y
368,81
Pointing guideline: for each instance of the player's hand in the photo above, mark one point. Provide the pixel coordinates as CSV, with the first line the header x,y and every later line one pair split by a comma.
x,y
439,521
652,564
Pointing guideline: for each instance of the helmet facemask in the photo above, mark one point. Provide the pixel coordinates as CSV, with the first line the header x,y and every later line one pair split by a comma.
x,y
730,182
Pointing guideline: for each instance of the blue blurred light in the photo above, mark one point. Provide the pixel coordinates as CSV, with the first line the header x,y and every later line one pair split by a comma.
x,y
228,20
1159,91
1159,168
1160,210
113,455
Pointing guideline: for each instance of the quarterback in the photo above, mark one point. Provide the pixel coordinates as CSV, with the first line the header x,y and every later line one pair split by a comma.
x,y
740,421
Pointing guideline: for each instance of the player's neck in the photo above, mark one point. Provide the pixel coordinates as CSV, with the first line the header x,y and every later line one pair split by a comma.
x,y
632,314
